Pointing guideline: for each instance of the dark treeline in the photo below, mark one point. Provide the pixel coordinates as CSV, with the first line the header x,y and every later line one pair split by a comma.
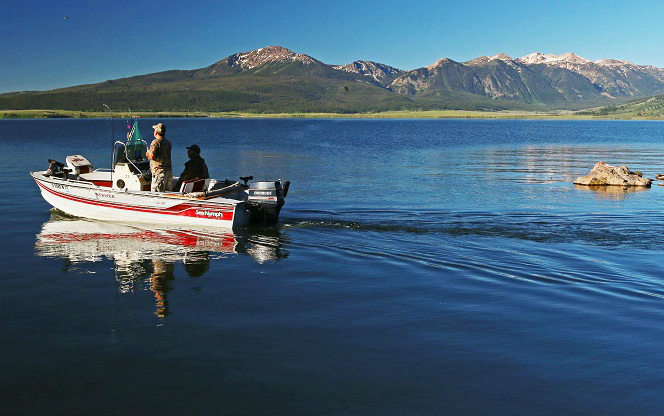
x,y
235,101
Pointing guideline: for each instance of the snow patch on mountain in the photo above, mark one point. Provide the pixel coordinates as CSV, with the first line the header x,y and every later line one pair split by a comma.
x,y
559,60
262,56
500,56
613,62
440,62
486,59
375,70
568,59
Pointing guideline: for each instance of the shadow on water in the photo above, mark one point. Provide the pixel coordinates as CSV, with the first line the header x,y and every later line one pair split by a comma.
x,y
144,256
617,193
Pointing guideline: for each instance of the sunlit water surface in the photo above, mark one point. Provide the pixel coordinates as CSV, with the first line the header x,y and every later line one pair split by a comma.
x,y
421,267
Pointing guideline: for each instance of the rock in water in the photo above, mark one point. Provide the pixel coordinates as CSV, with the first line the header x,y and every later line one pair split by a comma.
x,y
603,174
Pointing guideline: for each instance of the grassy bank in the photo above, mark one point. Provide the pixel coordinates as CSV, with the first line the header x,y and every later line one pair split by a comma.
x,y
559,115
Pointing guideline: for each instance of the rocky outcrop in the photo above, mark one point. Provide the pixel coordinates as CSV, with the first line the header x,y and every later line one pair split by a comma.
x,y
603,174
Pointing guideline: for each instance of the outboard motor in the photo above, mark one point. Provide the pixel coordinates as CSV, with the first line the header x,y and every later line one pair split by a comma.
x,y
266,199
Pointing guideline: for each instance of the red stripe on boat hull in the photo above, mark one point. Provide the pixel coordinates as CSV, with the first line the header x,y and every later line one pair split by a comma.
x,y
206,211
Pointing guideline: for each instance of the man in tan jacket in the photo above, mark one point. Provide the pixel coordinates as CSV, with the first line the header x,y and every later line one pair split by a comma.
x,y
159,154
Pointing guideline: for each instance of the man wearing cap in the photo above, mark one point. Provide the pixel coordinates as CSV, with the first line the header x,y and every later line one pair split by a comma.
x,y
195,168
159,154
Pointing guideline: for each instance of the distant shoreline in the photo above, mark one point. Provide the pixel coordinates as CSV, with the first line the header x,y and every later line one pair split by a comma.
x,y
434,114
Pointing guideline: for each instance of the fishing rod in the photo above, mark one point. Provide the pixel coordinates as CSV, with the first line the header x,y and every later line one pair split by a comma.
x,y
127,90
112,134
112,126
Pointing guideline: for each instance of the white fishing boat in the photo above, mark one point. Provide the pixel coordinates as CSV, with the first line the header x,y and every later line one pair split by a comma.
x,y
122,193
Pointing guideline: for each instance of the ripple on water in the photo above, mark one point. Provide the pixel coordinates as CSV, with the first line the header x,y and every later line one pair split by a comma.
x,y
533,247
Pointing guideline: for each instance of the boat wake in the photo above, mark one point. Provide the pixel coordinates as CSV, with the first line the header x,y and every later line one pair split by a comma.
x,y
615,255
597,229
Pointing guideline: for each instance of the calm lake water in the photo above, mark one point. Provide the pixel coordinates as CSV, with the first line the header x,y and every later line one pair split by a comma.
x,y
421,267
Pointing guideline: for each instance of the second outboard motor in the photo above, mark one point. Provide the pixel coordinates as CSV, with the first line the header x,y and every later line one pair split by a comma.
x,y
266,199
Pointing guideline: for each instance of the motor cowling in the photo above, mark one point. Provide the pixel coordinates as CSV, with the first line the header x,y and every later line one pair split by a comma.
x,y
266,199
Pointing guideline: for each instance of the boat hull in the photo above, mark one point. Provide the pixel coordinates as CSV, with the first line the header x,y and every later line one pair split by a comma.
x,y
100,203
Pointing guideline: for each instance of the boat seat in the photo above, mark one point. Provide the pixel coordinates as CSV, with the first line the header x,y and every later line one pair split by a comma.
x,y
98,178
194,185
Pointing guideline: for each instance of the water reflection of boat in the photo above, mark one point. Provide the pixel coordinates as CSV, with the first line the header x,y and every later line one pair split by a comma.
x,y
144,258
612,192
88,240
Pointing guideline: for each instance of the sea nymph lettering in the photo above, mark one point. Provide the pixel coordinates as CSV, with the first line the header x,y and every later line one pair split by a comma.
x,y
210,214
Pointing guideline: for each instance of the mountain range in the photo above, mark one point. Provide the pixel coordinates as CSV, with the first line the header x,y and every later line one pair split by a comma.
x,y
275,79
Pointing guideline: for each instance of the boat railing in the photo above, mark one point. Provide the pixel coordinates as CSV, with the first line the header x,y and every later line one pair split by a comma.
x,y
124,145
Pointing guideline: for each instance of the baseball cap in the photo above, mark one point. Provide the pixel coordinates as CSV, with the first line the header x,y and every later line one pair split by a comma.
x,y
195,148
159,128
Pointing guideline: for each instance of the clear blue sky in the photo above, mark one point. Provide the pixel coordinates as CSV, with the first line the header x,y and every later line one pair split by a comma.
x,y
105,40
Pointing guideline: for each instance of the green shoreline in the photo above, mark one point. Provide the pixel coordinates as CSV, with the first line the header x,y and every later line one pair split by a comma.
x,y
560,115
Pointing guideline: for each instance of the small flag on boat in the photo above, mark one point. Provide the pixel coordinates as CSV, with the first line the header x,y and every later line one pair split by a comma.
x,y
135,133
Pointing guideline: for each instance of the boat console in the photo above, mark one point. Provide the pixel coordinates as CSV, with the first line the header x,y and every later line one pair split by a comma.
x,y
131,168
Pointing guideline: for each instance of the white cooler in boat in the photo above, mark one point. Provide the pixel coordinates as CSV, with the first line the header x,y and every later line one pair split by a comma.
x,y
77,164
